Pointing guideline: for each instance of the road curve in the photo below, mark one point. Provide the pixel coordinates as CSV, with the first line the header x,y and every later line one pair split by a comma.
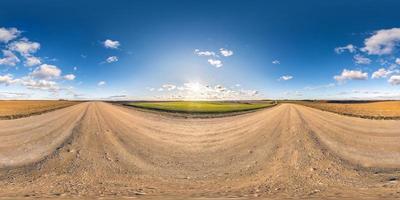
x,y
97,149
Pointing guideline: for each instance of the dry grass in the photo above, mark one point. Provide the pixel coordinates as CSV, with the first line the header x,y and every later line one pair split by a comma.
x,y
373,110
25,108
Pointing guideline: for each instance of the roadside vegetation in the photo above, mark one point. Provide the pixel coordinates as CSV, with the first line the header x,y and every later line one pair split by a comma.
x,y
12,109
363,109
203,107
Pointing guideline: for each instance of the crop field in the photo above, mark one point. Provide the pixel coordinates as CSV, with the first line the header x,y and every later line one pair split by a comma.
x,y
18,109
205,107
373,110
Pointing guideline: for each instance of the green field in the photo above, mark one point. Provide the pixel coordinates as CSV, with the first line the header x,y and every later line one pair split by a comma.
x,y
202,106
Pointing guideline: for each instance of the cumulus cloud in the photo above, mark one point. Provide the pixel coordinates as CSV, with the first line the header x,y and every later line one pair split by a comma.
x,y
382,42
7,79
39,84
8,34
351,75
351,48
204,53
24,47
9,59
101,83
225,52
216,63
394,80
359,59
285,78
381,73
31,61
46,71
111,44
112,59
69,77
276,62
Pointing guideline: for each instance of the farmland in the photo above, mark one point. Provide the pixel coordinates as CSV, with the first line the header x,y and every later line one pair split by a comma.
x,y
203,107
18,109
363,109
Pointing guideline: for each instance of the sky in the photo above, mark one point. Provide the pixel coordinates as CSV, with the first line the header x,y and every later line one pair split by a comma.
x,y
199,50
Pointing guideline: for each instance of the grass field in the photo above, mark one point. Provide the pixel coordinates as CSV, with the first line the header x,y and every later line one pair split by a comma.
x,y
373,110
24,108
200,107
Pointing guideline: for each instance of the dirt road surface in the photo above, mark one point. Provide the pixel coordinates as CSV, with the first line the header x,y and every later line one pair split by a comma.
x,y
97,149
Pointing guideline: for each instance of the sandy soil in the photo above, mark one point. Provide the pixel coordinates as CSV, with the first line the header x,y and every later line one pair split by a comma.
x,y
288,151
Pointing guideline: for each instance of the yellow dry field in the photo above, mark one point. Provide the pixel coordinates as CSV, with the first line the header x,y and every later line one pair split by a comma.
x,y
17,109
375,110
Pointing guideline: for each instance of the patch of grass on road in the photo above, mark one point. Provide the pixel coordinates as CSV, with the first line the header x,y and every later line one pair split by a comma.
x,y
205,107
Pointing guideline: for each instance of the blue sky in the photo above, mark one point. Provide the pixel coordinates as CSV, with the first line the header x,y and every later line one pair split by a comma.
x,y
199,49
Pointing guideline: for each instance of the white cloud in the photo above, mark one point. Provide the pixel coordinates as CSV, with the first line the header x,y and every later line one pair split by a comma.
x,y
226,52
112,59
382,42
111,44
198,91
351,48
7,79
8,34
215,63
31,61
39,84
69,77
46,71
381,73
397,61
286,77
24,47
351,75
101,83
169,87
204,53
359,59
394,80
276,62
9,58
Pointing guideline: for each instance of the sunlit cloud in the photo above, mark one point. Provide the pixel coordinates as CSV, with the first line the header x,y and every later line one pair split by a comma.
x,y
285,78
9,59
394,80
204,53
69,77
382,41
112,59
351,75
32,61
111,44
216,63
276,62
381,73
350,48
359,59
225,52
8,34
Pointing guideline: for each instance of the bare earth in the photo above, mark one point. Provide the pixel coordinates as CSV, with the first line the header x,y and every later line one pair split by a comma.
x,y
292,151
